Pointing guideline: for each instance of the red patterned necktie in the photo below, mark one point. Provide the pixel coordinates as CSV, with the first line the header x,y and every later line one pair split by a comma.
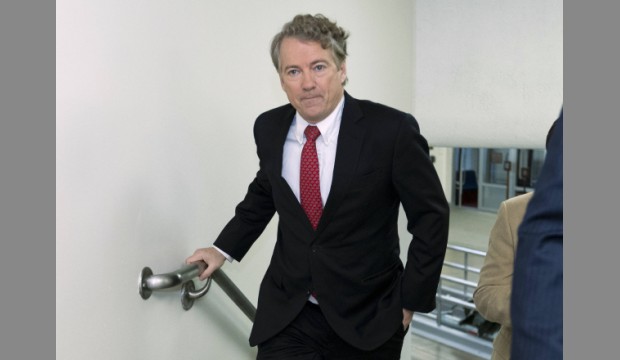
x,y
309,185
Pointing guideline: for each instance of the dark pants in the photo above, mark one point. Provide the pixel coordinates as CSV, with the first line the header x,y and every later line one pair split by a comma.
x,y
309,337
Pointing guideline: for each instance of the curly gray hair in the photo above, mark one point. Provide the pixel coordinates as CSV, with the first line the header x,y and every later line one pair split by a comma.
x,y
313,28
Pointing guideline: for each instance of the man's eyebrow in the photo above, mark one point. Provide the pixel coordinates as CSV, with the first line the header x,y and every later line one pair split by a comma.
x,y
319,61
291,67
311,64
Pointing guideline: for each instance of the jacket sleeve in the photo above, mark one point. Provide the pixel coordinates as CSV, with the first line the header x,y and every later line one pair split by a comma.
x,y
492,296
252,214
423,200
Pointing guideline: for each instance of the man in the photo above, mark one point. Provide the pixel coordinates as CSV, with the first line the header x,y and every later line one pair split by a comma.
x,y
536,303
336,169
492,296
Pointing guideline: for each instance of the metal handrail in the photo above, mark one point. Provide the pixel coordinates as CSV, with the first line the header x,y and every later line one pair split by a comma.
x,y
467,250
457,301
152,282
147,283
234,294
461,267
459,281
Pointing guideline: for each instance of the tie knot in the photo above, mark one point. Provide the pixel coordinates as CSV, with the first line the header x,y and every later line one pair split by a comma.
x,y
312,132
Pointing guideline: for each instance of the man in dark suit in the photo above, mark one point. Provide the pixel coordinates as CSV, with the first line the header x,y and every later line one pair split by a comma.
x,y
536,304
335,287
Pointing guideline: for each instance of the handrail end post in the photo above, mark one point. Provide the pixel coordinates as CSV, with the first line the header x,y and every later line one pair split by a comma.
x,y
143,289
186,300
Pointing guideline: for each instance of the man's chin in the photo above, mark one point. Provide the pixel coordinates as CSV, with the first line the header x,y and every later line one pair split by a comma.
x,y
311,115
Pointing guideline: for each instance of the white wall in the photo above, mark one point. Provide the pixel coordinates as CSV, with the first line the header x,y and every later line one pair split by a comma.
x,y
488,73
155,105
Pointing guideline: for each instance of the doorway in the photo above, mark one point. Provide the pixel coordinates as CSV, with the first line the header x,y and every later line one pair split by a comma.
x,y
484,177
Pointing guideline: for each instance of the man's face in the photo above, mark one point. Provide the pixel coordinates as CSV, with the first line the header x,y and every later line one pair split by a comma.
x,y
310,78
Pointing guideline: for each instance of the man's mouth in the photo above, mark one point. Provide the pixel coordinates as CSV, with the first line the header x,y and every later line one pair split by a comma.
x,y
311,98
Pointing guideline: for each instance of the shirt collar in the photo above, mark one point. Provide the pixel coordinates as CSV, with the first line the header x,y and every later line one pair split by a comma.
x,y
327,126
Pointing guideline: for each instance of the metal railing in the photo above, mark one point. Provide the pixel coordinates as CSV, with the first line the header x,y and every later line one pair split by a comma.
x,y
147,283
455,292
461,296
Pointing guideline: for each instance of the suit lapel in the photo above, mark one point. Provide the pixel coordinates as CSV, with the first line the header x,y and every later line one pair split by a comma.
x,y
350,141
280,134
290,200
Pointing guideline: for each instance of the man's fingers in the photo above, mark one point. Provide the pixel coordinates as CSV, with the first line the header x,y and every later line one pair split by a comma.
x,y
206,274
196,256
210,257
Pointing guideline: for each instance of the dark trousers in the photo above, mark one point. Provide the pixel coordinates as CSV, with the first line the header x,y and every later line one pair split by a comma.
x,y
309,337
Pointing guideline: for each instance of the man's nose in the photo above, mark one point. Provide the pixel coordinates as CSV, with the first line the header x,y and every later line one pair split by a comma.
x,y
307,81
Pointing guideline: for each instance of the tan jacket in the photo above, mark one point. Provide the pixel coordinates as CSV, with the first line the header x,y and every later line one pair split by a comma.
x,y
492,296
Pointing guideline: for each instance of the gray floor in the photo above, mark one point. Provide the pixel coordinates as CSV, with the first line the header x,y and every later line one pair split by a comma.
x,y
470,228
424,349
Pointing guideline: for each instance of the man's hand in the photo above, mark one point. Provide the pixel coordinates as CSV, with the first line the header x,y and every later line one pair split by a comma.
x,y
213,258
407,317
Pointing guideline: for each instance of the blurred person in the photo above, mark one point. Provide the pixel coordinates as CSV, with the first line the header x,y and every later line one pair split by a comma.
x,y
492,295
536,302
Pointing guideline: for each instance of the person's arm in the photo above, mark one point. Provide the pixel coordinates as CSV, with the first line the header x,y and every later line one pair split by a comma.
x,y
492,296
427,210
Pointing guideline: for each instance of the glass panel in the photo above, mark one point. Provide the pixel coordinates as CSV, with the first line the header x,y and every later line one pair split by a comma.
x,y
524,165
492,197
465,177
538,158
495,173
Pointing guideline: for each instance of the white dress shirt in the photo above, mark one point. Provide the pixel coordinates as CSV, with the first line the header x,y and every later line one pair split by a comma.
x,y
326,145
325,148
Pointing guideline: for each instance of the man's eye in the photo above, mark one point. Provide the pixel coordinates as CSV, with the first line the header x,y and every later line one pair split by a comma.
x,y
320,67
293,72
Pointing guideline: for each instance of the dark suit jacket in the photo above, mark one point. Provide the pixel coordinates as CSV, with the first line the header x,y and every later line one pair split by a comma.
x,y
352,259
536,304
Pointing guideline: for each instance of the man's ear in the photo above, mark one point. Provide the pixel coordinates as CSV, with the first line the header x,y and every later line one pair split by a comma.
x,y
343,72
